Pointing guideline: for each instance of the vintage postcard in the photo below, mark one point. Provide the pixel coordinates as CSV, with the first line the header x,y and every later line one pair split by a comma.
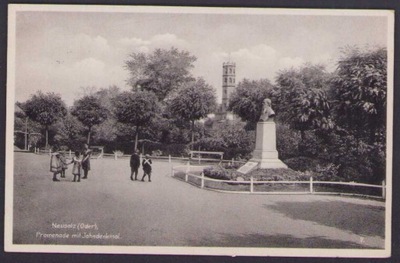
x,y
199,131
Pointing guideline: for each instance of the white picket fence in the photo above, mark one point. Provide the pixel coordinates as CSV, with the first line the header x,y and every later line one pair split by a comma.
x,y
189,169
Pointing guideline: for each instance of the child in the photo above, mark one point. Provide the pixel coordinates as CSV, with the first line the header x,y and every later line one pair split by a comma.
x,y
146,164
63,165
55,165
76,169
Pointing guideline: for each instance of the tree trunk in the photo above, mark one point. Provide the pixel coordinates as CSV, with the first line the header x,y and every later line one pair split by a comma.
x,y
192,128
47,137
26,133
136,137
88,138
301,143
302,135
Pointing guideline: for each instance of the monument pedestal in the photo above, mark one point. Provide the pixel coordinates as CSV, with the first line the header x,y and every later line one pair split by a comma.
x,y
265,152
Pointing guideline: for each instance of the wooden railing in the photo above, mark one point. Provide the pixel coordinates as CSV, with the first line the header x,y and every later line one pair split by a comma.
x,y
189,170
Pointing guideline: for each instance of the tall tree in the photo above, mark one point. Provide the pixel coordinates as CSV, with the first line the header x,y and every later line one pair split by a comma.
x,y
90,112
360,89
27,131
301,98
46,109
195,100
107,131
161,71
247,100
70,132
136,108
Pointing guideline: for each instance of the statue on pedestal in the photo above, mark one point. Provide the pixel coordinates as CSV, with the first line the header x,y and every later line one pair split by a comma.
x,y
267,113
265,152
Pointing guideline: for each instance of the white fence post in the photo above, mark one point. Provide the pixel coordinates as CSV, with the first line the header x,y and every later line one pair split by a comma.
x,y
115,155
383,189
70,154
50,152
202,180
169,158
311,185
187,171
251,184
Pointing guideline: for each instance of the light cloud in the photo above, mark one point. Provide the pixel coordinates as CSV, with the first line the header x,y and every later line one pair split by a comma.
x,y
133,42
288,62
165,41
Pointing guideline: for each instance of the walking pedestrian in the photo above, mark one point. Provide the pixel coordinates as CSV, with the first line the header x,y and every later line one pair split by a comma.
x,y
86,161
135,164
146,164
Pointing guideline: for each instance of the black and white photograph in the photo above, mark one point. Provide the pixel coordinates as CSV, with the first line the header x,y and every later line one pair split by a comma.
x,y
199,131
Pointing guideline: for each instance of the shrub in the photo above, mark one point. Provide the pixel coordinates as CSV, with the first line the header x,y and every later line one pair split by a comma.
x,y
280,174
302,164
327,172
216,172
230,165
357,172
287,141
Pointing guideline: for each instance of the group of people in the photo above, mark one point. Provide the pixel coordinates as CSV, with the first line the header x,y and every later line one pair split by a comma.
x,y
135,164
80,161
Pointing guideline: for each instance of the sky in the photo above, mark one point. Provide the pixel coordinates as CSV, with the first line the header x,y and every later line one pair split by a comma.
x,y
67,52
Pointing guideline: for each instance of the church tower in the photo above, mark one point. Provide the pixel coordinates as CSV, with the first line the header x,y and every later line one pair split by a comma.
x,y
228,83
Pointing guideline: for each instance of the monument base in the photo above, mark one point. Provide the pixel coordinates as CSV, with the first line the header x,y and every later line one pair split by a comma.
x,y
265,152
269,163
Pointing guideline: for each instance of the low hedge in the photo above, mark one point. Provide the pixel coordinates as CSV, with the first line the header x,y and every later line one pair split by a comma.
x,y
229,173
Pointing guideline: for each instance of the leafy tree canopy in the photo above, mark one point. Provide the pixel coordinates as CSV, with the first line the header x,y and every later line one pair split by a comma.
x,y
301,100
69,131
161,71
195,100
136,108
247,100
45,108
89,111
360,89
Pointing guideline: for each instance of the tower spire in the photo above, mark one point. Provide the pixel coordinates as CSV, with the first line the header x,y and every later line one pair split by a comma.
x,y
228,82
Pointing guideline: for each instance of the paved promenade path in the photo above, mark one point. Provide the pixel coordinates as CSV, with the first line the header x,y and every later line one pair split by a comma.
x,y
169,212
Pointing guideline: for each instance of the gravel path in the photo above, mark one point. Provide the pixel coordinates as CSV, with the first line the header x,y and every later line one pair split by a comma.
x,y
169,212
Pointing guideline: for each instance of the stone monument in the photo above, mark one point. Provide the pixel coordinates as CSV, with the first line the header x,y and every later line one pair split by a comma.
x,y
265,152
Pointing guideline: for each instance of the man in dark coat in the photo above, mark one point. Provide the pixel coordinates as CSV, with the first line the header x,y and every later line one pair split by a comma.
x,y
135,163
